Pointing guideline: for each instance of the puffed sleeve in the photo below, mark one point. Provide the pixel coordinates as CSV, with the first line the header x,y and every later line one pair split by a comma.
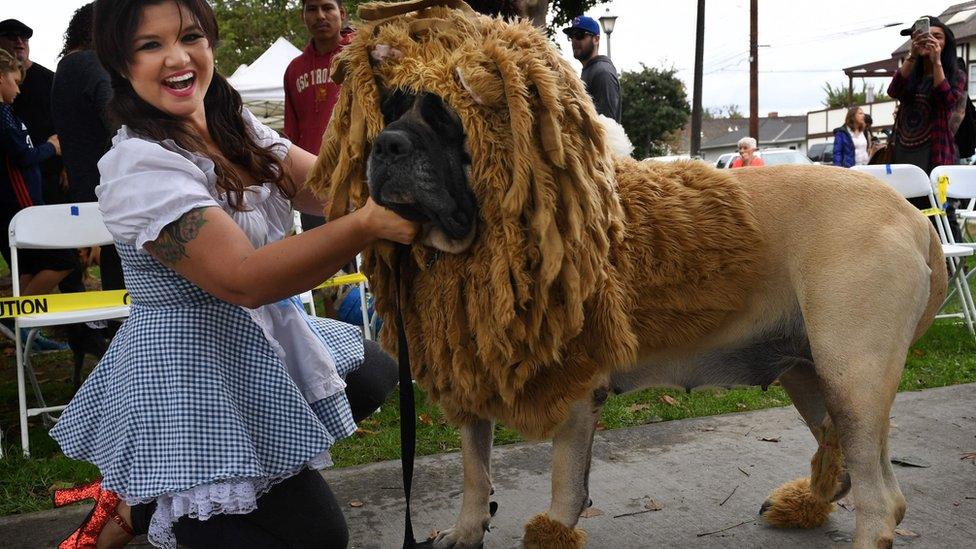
x,y
145,187
266,137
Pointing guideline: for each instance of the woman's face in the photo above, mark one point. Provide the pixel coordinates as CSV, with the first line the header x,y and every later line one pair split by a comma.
x,y
172,64
746,152
859,117
939,35
9,86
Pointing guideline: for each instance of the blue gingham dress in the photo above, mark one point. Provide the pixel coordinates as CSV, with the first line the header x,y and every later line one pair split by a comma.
x,y
201,405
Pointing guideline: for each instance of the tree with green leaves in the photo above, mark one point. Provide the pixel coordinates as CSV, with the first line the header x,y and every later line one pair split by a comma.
x,y
248,27
837,97
655,105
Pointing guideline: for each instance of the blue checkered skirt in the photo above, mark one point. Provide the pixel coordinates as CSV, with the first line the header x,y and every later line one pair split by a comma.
x,y
192,393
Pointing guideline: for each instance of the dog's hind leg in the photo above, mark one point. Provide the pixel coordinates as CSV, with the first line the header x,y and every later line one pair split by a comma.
x,y
859,359
469,530
572,448
807,502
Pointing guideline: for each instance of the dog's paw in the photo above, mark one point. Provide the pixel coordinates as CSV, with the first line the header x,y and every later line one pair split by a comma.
x,y
457,537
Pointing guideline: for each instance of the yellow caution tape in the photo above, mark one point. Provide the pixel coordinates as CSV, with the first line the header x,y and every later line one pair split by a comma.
x,y
62,303
343,280
930,212
943,188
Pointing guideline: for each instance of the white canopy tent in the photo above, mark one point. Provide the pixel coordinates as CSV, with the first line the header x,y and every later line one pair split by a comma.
x,y
261,84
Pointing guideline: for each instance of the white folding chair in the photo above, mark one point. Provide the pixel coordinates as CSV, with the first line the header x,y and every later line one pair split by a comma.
x,y
912,182
962,186
307,299
52,227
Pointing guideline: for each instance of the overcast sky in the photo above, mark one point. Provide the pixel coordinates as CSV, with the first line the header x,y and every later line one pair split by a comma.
x,y
808,42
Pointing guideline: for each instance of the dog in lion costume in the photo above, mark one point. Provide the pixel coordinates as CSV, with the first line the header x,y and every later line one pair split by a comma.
x,y
552,273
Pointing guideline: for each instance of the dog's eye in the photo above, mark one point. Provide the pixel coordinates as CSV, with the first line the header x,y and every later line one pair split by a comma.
x,y
440,119
395,104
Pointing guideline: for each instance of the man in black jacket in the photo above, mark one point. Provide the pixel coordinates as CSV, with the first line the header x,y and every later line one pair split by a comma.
x,y
599,74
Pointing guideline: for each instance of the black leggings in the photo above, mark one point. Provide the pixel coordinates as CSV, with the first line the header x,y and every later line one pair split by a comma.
x,y
300,511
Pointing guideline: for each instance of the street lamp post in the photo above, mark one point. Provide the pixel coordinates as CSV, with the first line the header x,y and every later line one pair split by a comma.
x,y
607,22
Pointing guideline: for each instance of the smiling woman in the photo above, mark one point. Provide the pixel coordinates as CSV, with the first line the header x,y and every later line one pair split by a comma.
x,y
219,392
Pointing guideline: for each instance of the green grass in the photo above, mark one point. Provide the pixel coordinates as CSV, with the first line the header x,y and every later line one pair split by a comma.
x,y
945,356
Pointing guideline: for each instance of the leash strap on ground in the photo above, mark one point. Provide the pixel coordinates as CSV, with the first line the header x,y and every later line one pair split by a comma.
x,y
408,413
11,307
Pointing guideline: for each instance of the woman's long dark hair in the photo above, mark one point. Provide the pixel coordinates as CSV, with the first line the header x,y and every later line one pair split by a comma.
x,y
116,22
78,36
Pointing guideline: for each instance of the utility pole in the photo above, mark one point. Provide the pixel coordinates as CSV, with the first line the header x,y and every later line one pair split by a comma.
x,y
696,101
754,69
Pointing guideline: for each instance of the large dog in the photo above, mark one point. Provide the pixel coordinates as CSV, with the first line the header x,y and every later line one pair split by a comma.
x,y
552,274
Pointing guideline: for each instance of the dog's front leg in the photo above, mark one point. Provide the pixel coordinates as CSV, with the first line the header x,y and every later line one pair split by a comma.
x,y
469,530
571,450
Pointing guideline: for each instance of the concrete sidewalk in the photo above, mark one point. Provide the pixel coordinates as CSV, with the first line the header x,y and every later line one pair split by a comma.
x,y
709,474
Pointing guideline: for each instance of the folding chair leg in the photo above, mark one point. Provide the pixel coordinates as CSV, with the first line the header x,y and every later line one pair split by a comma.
x,y
48,419
21,396
965,296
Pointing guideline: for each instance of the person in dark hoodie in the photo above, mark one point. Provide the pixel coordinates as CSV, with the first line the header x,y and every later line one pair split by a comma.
x,y
20,187
599,74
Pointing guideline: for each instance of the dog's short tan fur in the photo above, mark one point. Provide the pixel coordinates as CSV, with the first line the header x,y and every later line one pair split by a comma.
x,y
592,274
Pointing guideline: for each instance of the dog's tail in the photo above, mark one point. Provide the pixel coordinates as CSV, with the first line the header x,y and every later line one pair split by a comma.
x,y
938,281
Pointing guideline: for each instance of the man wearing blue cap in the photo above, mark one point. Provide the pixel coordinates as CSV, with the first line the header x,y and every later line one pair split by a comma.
x,y
599,74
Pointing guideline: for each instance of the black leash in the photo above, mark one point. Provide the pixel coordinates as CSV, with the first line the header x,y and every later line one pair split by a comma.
x,y
408,412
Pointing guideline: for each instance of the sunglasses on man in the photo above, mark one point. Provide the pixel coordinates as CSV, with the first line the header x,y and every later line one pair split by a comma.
x,y
578,34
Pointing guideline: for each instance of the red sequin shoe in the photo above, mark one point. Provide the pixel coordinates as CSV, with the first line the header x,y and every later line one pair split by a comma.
x,y
106,504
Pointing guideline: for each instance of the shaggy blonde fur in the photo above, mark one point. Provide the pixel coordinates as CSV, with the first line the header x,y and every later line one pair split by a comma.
x,y
793,505
577,252
544,533
808,502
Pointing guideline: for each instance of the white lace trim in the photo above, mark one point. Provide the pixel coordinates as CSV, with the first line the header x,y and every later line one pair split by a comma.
x,y
228,497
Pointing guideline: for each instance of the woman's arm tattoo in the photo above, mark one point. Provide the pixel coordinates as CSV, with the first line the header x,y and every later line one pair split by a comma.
x,y
170,246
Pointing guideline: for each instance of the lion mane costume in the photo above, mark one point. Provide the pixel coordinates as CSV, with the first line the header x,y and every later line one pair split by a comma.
x,y
560,283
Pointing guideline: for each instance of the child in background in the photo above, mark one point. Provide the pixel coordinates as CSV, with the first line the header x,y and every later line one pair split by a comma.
x,y
20,187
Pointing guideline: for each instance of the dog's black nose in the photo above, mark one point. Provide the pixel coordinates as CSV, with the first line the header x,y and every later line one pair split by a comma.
x,y
391,144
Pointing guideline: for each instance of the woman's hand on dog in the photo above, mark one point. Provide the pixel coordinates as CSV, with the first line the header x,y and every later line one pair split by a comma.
x,y
387,225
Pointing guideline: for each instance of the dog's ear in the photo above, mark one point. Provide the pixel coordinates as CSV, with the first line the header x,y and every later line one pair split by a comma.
x,y
482,80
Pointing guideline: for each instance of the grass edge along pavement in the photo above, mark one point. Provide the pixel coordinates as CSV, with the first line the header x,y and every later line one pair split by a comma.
x,y
946,355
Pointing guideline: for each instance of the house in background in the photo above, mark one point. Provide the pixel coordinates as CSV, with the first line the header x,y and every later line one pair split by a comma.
x,y
787,132
960,18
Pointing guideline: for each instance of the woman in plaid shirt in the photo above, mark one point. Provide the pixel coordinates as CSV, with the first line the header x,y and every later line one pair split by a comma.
x,y
929,86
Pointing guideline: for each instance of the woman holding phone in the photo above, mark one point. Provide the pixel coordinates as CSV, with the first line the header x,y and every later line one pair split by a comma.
x,y
928,86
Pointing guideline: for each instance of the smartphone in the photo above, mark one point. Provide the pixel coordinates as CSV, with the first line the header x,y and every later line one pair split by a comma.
x,y
922,25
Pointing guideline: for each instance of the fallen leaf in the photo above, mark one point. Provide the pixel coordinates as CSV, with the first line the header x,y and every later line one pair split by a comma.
x,y
355,503
905,533
591,512
707,429
741,406
634,408
653,505
425,419
769,439
669,400
364,432
918,353
971,456
600,426
433,534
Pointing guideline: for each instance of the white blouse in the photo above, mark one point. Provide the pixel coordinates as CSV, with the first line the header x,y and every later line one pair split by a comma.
x,y
146,185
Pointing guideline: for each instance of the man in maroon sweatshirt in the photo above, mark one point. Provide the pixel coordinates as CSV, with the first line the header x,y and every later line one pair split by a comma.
x,y
310,93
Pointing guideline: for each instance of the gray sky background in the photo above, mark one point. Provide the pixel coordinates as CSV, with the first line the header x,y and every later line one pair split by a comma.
x,y
809,42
